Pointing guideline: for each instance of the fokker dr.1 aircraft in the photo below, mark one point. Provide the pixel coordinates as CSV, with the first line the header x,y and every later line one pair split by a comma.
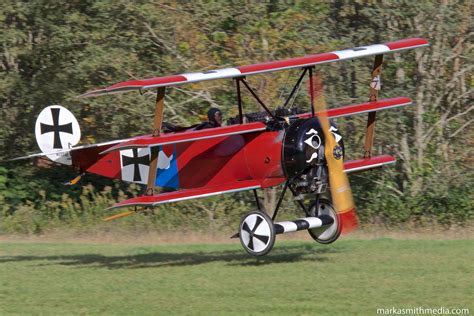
x,y
302,151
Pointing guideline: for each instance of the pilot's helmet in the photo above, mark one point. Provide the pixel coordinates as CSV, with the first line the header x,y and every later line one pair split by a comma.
x,y
212,117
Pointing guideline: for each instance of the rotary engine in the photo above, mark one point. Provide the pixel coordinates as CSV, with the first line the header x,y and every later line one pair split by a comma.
x,y
303,155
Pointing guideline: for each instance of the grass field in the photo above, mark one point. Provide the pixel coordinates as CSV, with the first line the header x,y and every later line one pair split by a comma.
x,y
349,277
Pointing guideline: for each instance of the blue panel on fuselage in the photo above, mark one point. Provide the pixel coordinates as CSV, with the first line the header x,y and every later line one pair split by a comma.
x,y
167,172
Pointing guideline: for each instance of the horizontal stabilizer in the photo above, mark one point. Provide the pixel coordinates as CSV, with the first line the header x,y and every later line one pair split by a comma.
x,y
300,62
63,152
368,163
69,150
174,138
183,195
364,107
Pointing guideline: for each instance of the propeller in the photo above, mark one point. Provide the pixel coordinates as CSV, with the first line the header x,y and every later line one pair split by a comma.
x,y
340,189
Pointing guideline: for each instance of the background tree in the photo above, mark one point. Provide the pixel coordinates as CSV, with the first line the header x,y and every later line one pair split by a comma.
x,y
52,52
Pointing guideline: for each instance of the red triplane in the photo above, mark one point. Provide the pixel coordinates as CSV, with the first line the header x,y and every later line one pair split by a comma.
x,y
302,151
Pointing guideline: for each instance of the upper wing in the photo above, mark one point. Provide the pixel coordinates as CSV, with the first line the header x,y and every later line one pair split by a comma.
x,y
300,62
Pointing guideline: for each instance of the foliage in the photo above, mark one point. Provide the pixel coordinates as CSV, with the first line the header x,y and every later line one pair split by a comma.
x,y
54,51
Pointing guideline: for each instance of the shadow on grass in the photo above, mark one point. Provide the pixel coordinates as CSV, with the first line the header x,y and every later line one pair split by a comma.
x,y
282,254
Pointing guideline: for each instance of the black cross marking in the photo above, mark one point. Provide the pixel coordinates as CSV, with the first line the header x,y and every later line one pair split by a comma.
x,y
56,128
136,161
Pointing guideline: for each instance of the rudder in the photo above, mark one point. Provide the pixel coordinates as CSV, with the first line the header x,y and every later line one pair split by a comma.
x,y
57,129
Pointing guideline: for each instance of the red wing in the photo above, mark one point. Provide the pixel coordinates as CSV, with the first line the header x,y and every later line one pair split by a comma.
x,y
183,195
364,107
278,65
252,127
174,138
367,163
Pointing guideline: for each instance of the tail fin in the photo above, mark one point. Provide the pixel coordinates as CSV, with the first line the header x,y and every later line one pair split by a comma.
x,y
56,131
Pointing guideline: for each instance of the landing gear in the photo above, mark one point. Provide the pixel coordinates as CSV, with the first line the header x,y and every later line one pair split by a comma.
x,y
256,233
325,235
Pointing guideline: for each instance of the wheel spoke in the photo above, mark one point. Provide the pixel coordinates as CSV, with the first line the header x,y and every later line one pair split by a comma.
x,y
262,238
246,228
258,222
250,244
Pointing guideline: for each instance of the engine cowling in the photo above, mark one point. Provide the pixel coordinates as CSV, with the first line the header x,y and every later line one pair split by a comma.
x,y
303,154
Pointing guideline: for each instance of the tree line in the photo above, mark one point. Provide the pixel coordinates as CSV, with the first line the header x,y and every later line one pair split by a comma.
x,y
53,51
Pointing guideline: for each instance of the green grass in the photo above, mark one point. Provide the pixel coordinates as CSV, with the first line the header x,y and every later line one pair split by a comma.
x,y
348,277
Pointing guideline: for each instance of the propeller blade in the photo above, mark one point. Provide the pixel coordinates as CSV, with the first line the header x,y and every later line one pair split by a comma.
x,y
341,193
125,214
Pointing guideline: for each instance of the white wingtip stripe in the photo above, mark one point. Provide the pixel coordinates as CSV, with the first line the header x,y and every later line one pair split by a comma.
x,y
212,74
362,51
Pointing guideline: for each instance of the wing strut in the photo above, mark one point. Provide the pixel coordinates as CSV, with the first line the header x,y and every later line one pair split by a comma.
x,y
311,89
160,102
239,100
295,87
375,85
157,123
255,96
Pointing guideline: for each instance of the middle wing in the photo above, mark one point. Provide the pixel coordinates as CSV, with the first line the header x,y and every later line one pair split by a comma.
x,y
188,136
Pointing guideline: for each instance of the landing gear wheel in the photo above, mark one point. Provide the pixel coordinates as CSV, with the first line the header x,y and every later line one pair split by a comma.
x,y
256,233
321,235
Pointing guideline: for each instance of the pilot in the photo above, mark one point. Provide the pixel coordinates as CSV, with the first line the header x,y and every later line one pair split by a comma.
x,y
214,116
